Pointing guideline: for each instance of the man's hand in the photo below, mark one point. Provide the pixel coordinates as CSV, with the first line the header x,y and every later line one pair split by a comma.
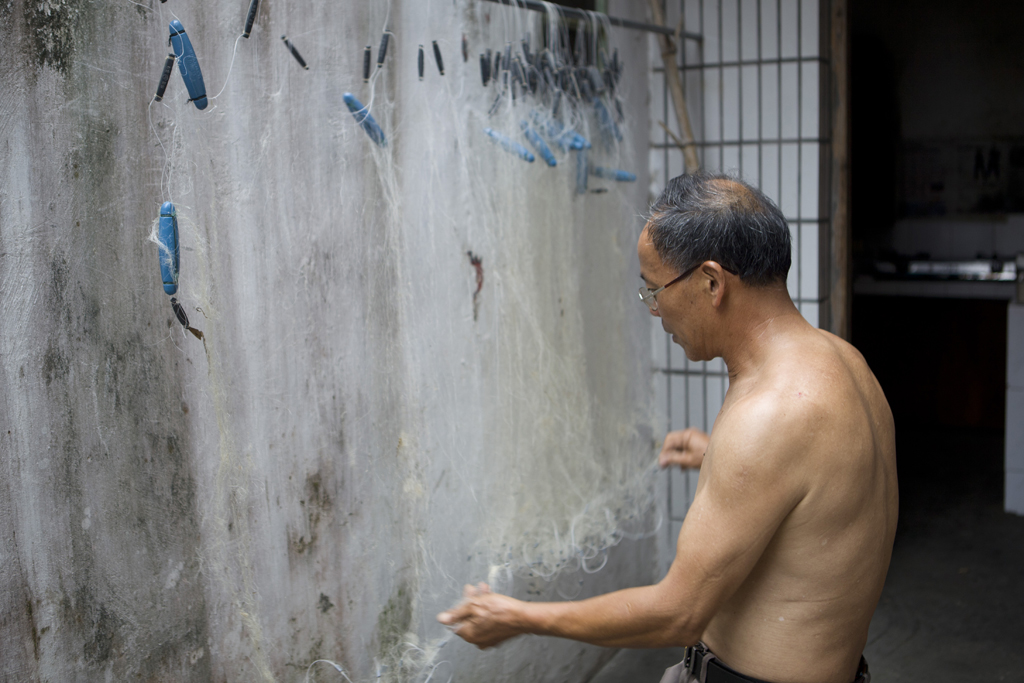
x,y
483,618
684,448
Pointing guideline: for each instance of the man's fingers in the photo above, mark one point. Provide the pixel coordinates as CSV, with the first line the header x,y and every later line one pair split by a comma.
x,y
670,459
681,458
449,618
676,440
456,614
482,618
453,617
464,609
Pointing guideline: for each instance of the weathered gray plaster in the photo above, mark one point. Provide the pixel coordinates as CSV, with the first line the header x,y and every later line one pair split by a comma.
x,y
311,481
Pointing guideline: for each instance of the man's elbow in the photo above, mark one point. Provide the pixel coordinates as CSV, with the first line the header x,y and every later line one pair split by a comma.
x,y
684,617
687,631
682,632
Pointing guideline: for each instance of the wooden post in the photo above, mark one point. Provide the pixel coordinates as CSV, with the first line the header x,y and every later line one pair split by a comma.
x,y
841,266
675,85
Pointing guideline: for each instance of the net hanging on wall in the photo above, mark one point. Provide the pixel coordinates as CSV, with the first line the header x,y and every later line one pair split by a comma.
x,y
420,361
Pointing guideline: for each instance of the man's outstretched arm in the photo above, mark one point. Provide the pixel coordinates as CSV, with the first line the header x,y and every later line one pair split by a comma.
x,y
748,485
634,617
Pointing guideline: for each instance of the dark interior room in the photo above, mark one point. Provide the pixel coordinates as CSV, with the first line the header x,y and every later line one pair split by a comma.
x,y
937,128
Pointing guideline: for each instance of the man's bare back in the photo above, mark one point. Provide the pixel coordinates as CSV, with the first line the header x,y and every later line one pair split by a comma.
x,y
801,615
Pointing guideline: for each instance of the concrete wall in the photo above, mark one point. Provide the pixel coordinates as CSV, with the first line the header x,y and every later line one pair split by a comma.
x,y
358,433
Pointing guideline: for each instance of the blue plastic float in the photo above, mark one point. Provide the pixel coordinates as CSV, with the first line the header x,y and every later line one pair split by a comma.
x,y
553,128
539,144
581,171
613,174
170,257
510,145
604,118
188,65
365,119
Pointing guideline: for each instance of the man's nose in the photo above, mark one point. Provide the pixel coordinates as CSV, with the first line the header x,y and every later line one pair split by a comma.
x,y
656,314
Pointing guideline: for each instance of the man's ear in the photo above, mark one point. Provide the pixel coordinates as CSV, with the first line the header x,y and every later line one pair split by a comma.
x,y
715,277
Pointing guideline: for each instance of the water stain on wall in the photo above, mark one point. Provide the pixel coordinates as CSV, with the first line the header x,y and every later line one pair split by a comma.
x,y
317,505
394,621
51,26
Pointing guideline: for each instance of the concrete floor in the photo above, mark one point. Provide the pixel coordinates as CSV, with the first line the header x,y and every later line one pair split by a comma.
x,y
953,605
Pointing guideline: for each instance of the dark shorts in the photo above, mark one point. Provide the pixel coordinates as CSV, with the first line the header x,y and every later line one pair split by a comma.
x,y
702,666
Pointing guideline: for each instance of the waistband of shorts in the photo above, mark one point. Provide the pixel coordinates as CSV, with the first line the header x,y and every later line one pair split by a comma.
x,y
707,668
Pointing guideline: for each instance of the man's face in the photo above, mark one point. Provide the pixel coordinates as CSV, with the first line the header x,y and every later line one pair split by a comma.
x,y
676,305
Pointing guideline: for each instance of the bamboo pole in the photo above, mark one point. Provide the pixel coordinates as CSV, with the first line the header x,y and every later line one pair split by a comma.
x,y
675,86
841,290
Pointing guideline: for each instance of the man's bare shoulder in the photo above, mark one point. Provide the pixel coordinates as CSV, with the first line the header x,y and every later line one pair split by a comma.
x,y
817,368
762,433
815,388
848,381
795,385
770,407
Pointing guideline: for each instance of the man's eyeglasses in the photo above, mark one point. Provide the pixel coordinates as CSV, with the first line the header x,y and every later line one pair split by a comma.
x,y
648,296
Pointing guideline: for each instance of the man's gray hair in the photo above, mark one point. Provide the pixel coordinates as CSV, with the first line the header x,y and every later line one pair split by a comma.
x,y
714,217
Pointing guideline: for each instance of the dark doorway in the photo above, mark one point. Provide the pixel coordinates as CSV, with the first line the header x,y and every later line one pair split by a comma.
x,y
937,163
936,123
942,365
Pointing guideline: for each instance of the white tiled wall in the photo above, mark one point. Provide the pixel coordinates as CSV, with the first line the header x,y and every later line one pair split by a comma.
x,y
753,91
1015,409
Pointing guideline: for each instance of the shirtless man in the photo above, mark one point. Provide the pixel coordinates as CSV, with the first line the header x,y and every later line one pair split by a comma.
x,y
783,553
